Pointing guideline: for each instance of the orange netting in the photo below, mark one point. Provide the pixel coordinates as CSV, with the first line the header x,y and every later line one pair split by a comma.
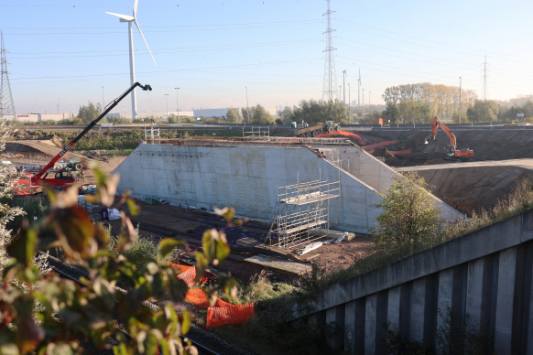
x,y
186,273
222,313
229,314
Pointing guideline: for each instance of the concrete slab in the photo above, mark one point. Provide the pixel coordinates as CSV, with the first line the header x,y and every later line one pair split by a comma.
x,y
280,265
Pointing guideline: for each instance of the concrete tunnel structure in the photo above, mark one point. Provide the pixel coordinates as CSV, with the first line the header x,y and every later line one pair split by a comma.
x,y
244,173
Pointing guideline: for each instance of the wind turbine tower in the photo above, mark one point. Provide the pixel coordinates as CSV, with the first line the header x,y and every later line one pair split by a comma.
x,y
329,88
7,106
129,20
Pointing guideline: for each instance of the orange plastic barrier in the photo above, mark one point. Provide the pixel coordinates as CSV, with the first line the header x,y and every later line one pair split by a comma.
x,y
342,133
222,313
229,314
197,297
186,273
377,145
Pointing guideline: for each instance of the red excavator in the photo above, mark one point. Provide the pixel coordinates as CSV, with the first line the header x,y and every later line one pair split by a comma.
x,y
450,150
64,178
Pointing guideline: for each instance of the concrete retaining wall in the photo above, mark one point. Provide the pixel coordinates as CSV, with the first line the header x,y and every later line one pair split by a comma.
x,y
486,275
246,177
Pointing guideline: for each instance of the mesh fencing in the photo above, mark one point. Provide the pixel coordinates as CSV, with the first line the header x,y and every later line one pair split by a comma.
x,y
221,313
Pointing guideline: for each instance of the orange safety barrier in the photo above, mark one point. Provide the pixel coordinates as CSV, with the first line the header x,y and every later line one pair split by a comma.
x,y
222,313
342,133
229,314
186,273
377,145
197,297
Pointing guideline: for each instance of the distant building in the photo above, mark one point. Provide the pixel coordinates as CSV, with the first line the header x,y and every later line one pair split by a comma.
x,y
39,117
156,114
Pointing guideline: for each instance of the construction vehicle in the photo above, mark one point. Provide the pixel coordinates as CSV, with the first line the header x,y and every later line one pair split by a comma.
x,y
63,178
450,150
319,128
74,164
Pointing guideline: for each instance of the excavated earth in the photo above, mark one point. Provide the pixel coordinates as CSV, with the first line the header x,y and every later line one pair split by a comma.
x,y
472,184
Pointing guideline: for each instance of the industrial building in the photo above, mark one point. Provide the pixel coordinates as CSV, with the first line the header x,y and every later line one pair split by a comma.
x,y
245,173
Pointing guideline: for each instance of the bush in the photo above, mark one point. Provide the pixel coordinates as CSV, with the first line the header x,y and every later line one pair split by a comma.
x,y
410,217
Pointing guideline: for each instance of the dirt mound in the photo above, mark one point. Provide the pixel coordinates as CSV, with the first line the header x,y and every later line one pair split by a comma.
x,y
58,142
382,152
386,156
472,186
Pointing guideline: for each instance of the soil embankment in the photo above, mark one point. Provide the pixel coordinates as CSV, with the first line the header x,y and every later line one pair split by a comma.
x,y
469,187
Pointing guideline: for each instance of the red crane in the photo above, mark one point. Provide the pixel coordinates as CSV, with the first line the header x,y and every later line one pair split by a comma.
x,y
450,150
63,177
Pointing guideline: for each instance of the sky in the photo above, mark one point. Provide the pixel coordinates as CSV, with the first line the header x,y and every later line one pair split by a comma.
x,y
64,52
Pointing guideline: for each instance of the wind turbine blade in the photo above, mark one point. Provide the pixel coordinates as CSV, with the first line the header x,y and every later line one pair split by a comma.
x,y
135,8
124,17
144,39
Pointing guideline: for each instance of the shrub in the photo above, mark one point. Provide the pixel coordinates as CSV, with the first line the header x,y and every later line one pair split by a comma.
x,y
409,215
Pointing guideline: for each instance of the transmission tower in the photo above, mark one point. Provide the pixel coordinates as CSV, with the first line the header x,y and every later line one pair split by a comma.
x,y
7,106
329,89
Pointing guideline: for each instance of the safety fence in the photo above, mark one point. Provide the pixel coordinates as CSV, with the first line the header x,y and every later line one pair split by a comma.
x,y
221,313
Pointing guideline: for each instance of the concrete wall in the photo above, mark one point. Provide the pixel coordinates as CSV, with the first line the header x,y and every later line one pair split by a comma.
x,y
485,277
246,177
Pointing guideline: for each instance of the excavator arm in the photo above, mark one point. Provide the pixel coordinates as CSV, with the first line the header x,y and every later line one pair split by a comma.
x,y
37,178
449,133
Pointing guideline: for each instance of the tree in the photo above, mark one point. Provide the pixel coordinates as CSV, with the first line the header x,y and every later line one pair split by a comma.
x,y
233,115
409,216
260,115
244,112
391,112
172,118
483,111
313,111
43,314
412,110
90,112
287,115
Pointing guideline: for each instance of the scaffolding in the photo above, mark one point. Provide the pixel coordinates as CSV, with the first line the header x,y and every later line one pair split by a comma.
x,y
301,214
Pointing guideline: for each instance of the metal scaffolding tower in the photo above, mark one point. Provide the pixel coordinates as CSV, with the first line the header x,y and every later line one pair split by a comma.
x,y
301,214
7,106
329,88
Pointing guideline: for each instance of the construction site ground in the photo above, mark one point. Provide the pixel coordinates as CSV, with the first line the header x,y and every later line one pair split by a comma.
x,y
327,258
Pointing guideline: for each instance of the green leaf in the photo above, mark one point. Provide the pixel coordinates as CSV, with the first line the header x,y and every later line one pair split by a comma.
x,y
167,245
201,264
230,288
150,344
134,208
185,323
23,246
177,288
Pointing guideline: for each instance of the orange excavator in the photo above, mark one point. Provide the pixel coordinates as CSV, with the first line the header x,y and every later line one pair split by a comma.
x,y
450,150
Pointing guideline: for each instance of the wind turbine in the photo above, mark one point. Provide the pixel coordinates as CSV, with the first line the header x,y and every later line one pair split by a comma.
x,y
129,20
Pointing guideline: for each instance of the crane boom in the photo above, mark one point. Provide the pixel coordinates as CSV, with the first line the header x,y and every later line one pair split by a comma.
x,y
436,124
450,150
38,177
